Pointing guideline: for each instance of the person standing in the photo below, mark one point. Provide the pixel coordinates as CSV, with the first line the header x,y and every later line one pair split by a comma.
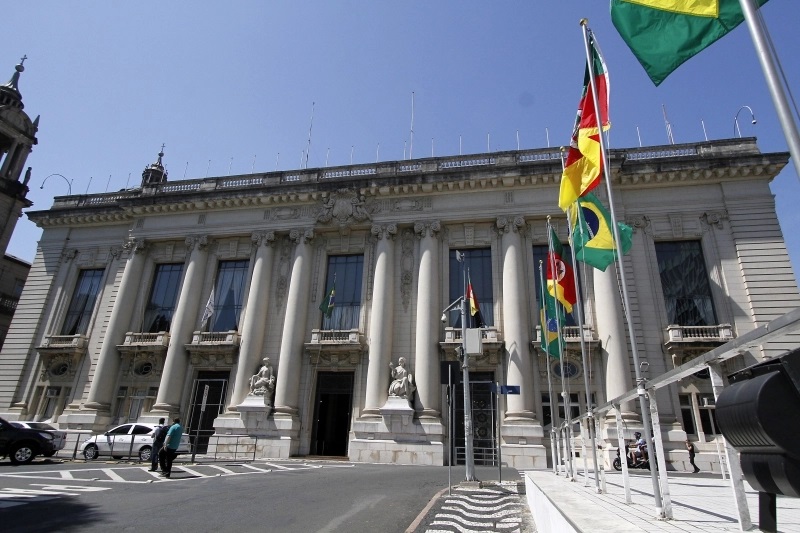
x,y
692,452
159,435
171,444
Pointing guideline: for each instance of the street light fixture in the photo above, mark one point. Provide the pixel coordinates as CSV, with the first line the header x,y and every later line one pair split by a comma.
x,y
736,129
69,182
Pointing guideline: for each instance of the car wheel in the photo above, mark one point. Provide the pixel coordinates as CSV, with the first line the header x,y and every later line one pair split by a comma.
x,y
22,454
90,453
145,454
49,454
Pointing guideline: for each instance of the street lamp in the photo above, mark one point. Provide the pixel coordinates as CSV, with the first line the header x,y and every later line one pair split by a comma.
x,y
69,182
736,129
461,301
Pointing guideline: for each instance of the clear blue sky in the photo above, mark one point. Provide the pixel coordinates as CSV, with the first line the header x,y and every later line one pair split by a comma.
x,y
228,82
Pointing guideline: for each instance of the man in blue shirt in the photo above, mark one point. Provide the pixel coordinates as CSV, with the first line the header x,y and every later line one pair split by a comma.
x,y
171,444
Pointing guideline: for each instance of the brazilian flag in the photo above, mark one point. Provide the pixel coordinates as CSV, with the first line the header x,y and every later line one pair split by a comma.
x,y
549,324
592,236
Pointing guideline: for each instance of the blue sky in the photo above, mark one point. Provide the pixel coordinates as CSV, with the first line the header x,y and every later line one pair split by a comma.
x,y
229,86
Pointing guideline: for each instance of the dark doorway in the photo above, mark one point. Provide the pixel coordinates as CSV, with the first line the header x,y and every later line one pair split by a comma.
x,y
332,408
200,425
484,422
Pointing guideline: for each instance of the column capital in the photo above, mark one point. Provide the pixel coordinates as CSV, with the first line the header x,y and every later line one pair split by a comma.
x,y
387,231
200,242
427,229
266,238
515,224
301,236
134,246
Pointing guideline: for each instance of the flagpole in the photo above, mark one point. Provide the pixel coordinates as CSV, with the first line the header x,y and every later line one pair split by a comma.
x,y
640,382
553,412
589,412
767,59
561,354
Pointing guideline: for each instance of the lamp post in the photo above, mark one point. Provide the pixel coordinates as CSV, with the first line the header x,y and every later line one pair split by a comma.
x,y
469,456
69,182
736,129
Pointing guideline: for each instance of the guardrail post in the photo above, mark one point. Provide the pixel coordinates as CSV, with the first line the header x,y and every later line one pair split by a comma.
x,y
75,451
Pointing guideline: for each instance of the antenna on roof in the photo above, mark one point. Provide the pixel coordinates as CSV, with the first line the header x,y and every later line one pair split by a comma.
x,y
253,166
411,143
667,124
547,134
311,125
639,136
705,135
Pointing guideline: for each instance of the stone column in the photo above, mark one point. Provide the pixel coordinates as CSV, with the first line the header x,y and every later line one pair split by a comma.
x,y
426,364
381,320
103,386
516,323
610,321
4,170
254,325
183,323
294,326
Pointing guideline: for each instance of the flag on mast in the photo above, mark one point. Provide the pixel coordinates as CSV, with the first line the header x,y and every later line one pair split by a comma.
x,y
560,277
209,310
476,318
663,34
329,301
583,168
548,321
593,235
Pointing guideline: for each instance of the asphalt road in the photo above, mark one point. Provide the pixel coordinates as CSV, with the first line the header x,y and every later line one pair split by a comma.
x,y
281,496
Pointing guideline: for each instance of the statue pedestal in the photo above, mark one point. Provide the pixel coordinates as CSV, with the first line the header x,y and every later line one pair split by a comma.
x,y
397,437
255,402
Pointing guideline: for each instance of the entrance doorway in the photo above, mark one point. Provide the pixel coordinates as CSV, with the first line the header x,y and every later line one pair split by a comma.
x,y
333,405
484,421
200,425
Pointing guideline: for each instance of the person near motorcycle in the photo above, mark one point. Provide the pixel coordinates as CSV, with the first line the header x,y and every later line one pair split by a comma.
x,y
639,453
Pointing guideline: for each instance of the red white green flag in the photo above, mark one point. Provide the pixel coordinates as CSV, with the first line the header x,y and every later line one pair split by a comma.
x,y
584,166
560,276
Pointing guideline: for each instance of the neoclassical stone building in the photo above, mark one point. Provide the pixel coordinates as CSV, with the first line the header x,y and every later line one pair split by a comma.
x,y
141,302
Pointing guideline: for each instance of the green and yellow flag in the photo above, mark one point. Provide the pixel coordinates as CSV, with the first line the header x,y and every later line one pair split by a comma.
x,y
592,233
663,34
548,322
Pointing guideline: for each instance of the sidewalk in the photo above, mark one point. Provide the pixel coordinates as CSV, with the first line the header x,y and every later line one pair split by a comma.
x,y
700,502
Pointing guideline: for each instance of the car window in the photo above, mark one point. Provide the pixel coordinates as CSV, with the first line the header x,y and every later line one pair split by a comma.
x,y
17,425
121,430
141,430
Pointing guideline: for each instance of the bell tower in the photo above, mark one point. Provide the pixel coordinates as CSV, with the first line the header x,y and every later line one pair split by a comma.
x,y
17,137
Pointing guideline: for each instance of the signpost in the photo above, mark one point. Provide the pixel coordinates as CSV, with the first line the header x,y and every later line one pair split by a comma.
x,y
497,390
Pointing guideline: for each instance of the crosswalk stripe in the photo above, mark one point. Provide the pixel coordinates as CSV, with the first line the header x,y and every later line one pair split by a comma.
x,y
192,472
224,470
113,475
251,467
66,474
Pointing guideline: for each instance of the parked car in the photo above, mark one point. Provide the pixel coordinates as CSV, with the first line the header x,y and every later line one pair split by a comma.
x,y
21,445
59,437
127,440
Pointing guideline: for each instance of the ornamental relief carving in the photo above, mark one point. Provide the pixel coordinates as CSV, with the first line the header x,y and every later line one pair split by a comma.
x,y
640,222
284,268
213,360
344,207
407,268
714,219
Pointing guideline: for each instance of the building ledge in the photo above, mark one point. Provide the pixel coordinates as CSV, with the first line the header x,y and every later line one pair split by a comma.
x,y
144,342
214,341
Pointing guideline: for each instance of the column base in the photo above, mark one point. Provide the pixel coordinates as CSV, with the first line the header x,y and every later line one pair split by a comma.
x,y
396,437
97,406
522,442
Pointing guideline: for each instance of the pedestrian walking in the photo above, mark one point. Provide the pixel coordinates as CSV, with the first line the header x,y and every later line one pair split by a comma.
x,y
171,444
692,452
159,435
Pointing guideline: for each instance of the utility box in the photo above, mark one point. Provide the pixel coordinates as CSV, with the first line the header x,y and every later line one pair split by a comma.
x,y
759,415
474,341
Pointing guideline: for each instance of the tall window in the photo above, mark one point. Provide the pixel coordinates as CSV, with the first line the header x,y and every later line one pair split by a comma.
x,y
478,264
540,254
347,271
83,299
687,292
229,295
163,295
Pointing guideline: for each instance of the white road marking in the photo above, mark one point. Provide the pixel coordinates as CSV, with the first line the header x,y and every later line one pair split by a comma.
x,y
224,470
75,488
251,467
190,471
113,475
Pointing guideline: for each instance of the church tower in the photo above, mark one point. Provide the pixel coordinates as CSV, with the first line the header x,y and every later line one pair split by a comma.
x,y
17,137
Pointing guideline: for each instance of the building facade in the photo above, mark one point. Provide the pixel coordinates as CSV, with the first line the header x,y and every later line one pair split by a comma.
x,y
167,299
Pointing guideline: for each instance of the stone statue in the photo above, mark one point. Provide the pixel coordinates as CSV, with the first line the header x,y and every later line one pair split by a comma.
x,y
27,176
263,382
403,385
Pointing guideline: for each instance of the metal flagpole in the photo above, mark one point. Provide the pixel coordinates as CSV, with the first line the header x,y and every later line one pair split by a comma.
x,y
589,406
767,58
568,443
553,412
640,382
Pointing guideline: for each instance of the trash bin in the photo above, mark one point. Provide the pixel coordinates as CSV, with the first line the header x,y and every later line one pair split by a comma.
x,y
759,415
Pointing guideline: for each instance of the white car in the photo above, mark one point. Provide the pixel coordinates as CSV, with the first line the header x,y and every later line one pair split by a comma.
x,y
127,440
59,437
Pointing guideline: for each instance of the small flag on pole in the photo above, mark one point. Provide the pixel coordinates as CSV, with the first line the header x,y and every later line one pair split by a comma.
x,y
560,276
549,323
592,233
209,310
329,301
474,307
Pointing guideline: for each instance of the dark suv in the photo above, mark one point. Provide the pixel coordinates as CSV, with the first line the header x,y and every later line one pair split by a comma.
x,y
21,445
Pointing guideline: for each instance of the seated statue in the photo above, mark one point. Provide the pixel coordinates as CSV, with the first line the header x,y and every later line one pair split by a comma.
x,y
263,382
403,385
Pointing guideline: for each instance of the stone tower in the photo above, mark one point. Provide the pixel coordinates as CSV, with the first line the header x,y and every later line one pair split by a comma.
x,y
17,137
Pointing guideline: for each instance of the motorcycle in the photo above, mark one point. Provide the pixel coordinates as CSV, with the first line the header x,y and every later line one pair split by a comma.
x,y
638,462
